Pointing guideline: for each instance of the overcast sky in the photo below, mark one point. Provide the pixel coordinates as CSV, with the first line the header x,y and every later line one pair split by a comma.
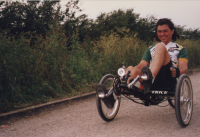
x,y
182,12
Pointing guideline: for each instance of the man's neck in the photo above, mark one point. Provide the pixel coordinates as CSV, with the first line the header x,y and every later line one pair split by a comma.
x,y
166,43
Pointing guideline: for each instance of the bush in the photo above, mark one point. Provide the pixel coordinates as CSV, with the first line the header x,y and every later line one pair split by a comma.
x,y
193,50
32,75
112,51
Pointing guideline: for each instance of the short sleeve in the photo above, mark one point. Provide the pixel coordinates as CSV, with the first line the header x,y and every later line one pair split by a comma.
x,y
183,55
147,56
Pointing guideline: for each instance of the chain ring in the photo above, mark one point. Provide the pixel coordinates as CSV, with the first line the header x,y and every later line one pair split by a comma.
x,y
116,85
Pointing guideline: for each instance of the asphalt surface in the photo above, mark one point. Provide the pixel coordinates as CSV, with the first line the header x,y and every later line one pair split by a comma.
x,y
78,116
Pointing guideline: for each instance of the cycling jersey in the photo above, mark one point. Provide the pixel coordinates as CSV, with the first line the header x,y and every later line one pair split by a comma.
x,y
176,52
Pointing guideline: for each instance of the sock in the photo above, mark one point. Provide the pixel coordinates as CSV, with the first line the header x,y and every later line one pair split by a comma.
x,y
141,87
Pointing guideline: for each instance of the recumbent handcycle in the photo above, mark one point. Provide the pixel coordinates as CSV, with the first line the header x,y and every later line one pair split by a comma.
x,y
179,97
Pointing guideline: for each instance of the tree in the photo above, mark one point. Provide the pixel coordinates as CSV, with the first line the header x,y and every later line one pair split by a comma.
x,y
144,27
188,33
34,16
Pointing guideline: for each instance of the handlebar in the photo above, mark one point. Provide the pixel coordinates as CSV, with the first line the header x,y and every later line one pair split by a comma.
x,y
127,76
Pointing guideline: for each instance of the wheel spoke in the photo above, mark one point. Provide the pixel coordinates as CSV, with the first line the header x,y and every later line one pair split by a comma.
x,y
184,101
184,104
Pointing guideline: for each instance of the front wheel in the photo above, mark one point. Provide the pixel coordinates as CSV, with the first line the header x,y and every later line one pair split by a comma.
x,y
184,100
107,107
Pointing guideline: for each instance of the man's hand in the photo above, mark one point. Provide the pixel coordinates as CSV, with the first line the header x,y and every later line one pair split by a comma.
x,y
175,72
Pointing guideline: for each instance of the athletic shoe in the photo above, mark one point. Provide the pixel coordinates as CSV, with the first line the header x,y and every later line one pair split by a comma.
x,y
147,83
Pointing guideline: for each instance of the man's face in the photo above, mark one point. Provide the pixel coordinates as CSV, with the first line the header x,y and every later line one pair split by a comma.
x,y
164,33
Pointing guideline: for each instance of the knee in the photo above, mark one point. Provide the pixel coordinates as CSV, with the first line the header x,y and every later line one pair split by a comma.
x,y
160,47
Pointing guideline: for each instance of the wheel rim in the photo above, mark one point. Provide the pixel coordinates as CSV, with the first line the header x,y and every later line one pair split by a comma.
x,y
186,101
110,112
108,83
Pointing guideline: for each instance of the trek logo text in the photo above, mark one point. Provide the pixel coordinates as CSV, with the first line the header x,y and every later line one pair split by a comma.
x,y
159,92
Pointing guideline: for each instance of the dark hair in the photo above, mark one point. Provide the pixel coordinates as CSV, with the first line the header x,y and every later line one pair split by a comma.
x,y
165,21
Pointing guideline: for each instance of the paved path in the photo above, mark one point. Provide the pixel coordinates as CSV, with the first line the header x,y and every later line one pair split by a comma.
x,y
81,119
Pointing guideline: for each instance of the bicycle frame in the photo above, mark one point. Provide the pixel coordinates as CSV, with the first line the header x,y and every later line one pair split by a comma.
x,y
179,95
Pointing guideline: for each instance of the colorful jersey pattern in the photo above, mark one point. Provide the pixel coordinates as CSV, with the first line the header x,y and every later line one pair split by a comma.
x,y
176,52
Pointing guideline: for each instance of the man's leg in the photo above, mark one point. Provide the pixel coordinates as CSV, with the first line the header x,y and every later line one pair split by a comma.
x,y
161,58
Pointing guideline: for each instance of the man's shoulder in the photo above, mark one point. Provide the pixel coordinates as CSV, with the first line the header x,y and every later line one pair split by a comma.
x,y
151,47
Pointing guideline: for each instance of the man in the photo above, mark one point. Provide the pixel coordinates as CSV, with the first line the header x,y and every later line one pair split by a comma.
x,y
167,59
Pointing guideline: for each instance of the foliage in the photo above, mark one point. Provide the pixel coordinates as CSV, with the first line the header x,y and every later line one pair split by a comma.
x,y
193,50
32,16
32,75
188,33
144,27
114,51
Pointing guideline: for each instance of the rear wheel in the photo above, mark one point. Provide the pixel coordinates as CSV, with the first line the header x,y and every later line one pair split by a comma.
x,y
184,100
107,107
171,102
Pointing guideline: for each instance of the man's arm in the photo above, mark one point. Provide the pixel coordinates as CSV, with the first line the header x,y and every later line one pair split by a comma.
x,y
142,64
183,67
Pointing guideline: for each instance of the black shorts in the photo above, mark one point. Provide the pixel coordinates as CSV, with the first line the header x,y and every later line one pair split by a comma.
x,y
164,79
